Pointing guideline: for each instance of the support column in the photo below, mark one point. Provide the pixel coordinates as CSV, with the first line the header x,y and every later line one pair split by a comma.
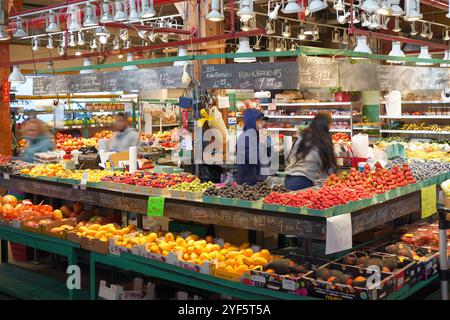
x,y
5,115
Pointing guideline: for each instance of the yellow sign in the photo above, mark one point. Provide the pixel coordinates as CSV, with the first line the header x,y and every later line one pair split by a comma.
x,y
428,196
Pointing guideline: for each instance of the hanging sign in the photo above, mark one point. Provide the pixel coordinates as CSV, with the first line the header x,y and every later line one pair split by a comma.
x,y
428,197
358,77
315,72
142,79
155,206
257,76
412,78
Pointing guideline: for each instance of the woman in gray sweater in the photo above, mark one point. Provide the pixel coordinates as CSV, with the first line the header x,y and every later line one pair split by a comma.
x,y
312,155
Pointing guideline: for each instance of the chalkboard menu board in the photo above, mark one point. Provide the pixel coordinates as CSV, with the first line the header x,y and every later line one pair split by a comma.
x,y
154,78
412,78
317,72
257,76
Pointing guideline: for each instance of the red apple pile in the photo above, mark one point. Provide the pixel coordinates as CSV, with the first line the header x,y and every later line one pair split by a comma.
x,y
151,179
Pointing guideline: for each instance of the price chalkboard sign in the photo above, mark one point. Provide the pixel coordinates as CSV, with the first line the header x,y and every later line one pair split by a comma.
x,y
154,78
317,72
256,76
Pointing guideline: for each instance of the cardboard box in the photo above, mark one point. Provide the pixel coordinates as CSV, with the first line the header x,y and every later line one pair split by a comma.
x,y
94,245
172,258
426,266
129,291
37,229
47,228
286,283
334,291
404,273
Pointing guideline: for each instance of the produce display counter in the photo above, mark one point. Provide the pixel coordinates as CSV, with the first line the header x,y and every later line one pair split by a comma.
x,y
184,277
309,226
43,287
15,281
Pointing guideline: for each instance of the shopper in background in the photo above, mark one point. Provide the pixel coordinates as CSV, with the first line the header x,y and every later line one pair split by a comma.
x,y
38,139
312,155
124,137
249,170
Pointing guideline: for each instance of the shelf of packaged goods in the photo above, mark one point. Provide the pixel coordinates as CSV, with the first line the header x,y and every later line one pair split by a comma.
x,y
304,117
416,132
41,242
308,104
94,111
297,129
407,116
185,277
166,125
309,226
88,126
366,128
421,101
283,129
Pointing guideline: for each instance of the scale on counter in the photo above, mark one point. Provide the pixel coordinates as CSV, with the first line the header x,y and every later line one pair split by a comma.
x,y
89,158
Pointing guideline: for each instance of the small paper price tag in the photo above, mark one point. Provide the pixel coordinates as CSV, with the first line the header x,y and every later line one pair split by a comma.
x,y
155,207
272,106
339,233
258,278
84,180
6,176
288,284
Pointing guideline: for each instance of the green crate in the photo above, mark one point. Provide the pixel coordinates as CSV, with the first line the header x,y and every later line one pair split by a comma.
x,y
358,205
274,207
391,194
48,178
343,208
209,199
249,204
431,181
422,184
94,184
413,187
379,198
401,191
68,181
322,213
441,178
227,201
296,210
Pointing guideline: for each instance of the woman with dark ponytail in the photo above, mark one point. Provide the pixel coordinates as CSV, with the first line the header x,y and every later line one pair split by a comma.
x,y
312,155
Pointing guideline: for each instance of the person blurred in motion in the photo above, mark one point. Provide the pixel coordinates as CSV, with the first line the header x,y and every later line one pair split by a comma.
x,y
312,155
124,137
249,162
38,139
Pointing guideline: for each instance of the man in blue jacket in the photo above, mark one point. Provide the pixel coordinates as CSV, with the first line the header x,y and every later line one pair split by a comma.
x,y
248,159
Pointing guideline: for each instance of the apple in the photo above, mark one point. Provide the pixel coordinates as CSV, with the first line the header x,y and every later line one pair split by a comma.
x,y
57,215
